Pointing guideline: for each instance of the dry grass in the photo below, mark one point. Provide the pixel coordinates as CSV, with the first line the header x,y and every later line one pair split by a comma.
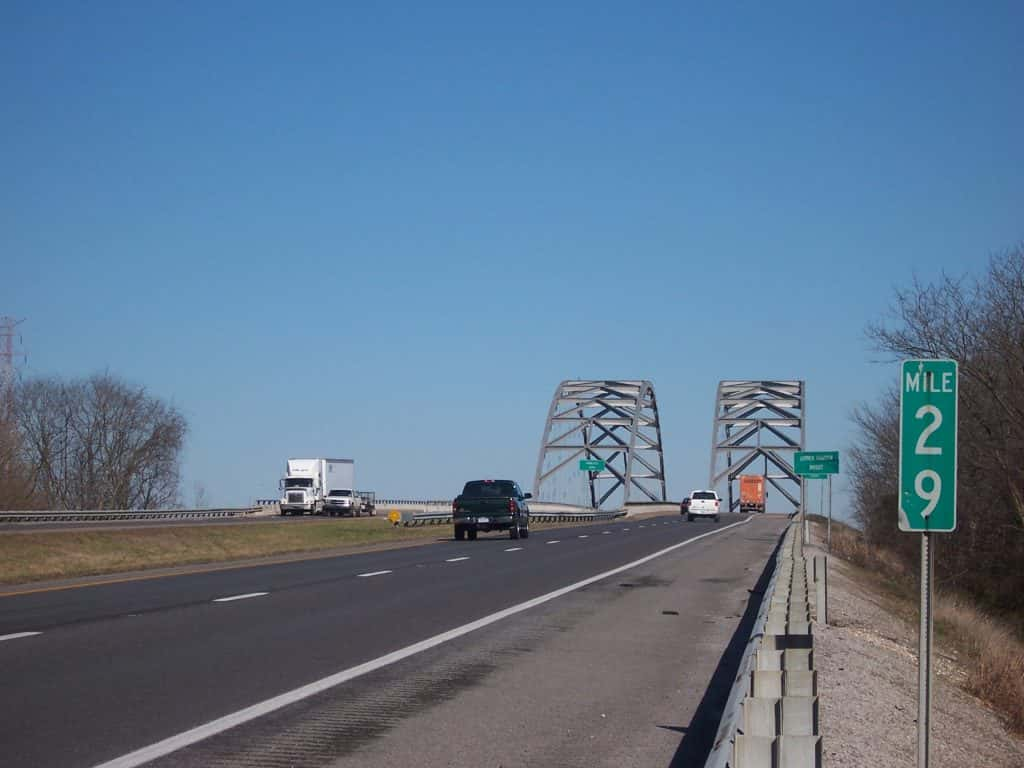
x,y
992,654
64,554
995,657
42,555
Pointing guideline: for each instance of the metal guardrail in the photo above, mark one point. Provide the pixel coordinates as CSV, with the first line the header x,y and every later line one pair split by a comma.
x,y
408,518
113,515
772,716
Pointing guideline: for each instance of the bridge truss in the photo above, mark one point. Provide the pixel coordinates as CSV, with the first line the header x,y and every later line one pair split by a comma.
x,y
611,421
758,426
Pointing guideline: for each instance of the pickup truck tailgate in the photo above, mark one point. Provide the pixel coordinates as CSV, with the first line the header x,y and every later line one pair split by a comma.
x,y
476,507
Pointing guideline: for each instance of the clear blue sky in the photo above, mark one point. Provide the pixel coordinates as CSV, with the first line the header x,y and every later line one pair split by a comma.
x,y
387,232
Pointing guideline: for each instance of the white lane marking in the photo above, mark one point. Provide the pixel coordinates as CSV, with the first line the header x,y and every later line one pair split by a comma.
x,y
553,541
625,529
17,635
582,536
371,573
605,533
514,549
643,526
221,724
456,559
240,597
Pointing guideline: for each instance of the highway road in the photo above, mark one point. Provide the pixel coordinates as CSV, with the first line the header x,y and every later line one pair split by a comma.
x,y
561,649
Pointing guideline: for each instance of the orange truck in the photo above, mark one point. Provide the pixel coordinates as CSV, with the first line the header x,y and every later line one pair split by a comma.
x,y
751,493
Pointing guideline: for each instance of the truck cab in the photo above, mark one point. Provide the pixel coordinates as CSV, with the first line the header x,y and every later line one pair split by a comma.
x,y
300,494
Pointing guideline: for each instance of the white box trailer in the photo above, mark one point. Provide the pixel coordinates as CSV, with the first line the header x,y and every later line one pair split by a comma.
x,y
309,483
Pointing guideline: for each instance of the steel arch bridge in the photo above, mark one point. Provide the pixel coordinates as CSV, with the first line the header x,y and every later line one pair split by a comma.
x,y
758,420
608,420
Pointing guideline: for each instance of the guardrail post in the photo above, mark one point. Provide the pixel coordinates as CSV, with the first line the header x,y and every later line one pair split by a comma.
x,y
821,591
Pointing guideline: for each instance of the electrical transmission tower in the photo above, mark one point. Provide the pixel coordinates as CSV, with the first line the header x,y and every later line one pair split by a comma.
x,y
7,373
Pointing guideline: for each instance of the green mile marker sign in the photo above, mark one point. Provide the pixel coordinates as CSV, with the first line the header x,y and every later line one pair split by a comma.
x,y
592,465
928,425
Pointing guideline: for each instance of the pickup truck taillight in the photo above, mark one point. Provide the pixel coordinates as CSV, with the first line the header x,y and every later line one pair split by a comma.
x,y
511,506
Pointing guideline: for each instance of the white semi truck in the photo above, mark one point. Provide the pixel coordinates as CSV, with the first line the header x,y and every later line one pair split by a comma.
x,y
313,485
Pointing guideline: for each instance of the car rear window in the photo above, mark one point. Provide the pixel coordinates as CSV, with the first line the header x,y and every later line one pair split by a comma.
x,y
703,495
489,488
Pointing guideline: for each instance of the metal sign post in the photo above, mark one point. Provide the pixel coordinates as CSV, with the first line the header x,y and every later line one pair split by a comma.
x,y
819,465
924,671
927,500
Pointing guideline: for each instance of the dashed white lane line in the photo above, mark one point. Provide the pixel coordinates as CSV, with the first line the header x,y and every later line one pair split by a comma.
x,y
206,730
625,529
553,541
605,533
456,559
643,526
18,635
583,536
514,549
240,597
371,573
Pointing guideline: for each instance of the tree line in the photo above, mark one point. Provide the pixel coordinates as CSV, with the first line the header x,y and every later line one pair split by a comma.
x,y
94,443
978,321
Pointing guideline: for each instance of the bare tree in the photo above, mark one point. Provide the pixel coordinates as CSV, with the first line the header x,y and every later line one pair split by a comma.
x,y
980,323
16,486
99,443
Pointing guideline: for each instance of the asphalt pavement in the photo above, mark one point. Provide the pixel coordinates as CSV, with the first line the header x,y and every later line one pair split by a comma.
x,y
93,674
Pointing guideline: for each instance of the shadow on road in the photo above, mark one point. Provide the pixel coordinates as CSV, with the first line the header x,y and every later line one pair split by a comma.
x,y
700,733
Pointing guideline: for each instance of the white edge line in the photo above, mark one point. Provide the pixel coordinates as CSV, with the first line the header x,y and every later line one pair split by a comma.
x,y
240,597
583,536
553,541
17,635
456,559
221,724
371,573
514,549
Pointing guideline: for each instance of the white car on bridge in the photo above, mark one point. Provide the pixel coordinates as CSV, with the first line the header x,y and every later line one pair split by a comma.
x,y
703,504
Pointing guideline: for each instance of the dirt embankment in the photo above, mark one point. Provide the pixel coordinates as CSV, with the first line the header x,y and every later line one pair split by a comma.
x,y
867,662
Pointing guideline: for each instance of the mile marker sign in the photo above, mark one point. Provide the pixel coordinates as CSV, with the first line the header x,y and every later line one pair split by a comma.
x,y
928,420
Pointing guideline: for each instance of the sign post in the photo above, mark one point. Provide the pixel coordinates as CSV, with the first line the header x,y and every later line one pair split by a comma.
x,y
927,500
819,465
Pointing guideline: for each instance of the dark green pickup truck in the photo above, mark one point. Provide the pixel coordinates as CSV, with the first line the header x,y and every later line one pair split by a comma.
x,y
491,505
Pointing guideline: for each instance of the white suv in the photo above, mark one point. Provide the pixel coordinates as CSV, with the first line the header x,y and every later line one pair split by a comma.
x,y
703,504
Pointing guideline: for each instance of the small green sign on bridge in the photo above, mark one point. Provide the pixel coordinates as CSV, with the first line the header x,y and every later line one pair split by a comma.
x,y
816,462
591,465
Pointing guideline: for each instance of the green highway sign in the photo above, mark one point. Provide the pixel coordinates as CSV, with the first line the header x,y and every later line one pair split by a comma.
x,y
928,424
816,463
592,465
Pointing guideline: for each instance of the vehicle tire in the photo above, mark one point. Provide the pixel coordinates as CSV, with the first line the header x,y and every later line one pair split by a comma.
x,y
689,518
716,518
513,532
471,533
525,533
460,533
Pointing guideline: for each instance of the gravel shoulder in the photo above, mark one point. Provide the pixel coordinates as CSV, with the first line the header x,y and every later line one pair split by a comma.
x,y
867,682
